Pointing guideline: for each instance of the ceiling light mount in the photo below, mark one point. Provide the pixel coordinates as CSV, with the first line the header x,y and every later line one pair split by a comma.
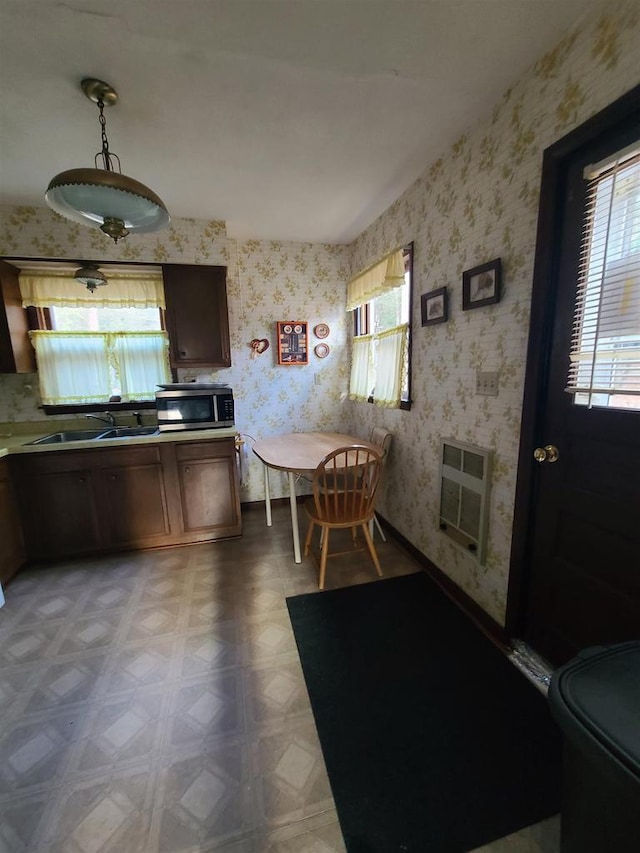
x,y
103,197
98,90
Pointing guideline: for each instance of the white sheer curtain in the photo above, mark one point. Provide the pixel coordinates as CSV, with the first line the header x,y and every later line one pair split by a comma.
x,y
142,363
88,367
73,367
361,381
390,360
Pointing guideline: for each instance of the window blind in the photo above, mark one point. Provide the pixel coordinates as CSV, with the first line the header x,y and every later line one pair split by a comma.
x,y
605,347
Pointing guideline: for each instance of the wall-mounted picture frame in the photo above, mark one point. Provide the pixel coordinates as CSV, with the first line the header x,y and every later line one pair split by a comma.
x,y
481,285
293,342
434,307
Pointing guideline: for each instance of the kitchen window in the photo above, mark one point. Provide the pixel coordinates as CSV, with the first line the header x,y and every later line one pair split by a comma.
x,y
97,348
380,299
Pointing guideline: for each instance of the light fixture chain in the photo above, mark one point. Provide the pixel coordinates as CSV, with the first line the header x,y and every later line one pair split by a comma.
x,y
106,156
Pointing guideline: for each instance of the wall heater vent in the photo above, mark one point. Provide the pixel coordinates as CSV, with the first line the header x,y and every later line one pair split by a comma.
x,y
464,495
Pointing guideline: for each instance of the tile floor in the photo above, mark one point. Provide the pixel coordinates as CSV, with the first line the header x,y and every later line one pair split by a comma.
x,y
154,702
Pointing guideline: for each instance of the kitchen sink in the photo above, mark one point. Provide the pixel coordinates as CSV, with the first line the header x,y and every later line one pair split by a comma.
x,y
93,434
127,432
69,435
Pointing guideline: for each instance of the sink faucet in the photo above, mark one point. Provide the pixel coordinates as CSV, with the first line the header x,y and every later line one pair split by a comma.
x,y
107,417
138,418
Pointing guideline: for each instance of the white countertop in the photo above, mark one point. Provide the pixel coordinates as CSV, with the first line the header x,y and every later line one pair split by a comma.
x,y
20,442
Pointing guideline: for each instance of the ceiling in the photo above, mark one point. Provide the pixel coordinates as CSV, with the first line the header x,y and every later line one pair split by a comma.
x,y
288,119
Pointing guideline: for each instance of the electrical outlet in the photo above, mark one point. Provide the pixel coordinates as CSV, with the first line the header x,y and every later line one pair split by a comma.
x,y
317,379
487,383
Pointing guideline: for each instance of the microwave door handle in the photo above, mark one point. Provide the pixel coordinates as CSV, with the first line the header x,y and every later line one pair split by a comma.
x,y
215,409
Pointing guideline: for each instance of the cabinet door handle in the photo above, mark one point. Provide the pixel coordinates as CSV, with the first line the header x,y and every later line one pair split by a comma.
x,y
113,477
187,470
81,480
183,352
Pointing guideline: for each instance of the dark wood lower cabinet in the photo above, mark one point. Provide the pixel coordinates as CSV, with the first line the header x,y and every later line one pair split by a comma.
x,y
133,497
209,496
57,497
141,496
12,551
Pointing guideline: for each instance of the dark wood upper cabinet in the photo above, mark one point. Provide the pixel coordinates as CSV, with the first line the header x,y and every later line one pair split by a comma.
x,y
16,352
197,316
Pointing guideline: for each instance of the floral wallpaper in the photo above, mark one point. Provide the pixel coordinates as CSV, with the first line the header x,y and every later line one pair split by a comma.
x,y
477,202
266,282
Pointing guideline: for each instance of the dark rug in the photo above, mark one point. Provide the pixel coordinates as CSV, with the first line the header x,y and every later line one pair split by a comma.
x,y
433,740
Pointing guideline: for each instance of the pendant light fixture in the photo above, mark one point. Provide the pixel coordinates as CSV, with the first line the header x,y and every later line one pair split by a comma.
x,y
89,275
103,197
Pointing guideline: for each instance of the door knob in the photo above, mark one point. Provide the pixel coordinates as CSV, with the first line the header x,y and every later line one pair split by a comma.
x,y
548,453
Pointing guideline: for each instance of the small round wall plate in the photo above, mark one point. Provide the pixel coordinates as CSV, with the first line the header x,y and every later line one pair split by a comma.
x,y
321,350
321,330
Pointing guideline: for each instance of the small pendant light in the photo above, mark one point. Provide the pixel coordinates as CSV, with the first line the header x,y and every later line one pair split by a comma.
x,y
89,275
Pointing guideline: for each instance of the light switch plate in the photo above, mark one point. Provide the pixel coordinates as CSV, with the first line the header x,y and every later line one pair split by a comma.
x,y
487,383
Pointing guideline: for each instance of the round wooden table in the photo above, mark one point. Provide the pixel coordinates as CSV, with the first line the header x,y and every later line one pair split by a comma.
x,y
298,453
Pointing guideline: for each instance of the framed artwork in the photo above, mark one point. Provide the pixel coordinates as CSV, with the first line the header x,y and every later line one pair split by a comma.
x,y
292,342
434,307
481,285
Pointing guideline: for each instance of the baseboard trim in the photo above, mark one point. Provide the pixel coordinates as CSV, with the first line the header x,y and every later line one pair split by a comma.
x,y
487,624
253,505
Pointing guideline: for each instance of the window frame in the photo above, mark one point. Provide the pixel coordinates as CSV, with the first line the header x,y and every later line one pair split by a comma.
x,y
362,324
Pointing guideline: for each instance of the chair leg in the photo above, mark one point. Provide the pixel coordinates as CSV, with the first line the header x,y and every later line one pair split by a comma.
x,y
372,548
323,556
307,541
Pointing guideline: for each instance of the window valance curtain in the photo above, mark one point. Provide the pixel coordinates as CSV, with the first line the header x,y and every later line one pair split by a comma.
x,y
376,280
58,289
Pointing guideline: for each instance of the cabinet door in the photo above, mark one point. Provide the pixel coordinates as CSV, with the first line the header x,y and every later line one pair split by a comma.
x,y
135,503
16,351
209,493
197,317
59,513
12,553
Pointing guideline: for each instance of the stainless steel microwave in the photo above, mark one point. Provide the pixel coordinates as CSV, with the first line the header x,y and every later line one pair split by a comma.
x,y
194,407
